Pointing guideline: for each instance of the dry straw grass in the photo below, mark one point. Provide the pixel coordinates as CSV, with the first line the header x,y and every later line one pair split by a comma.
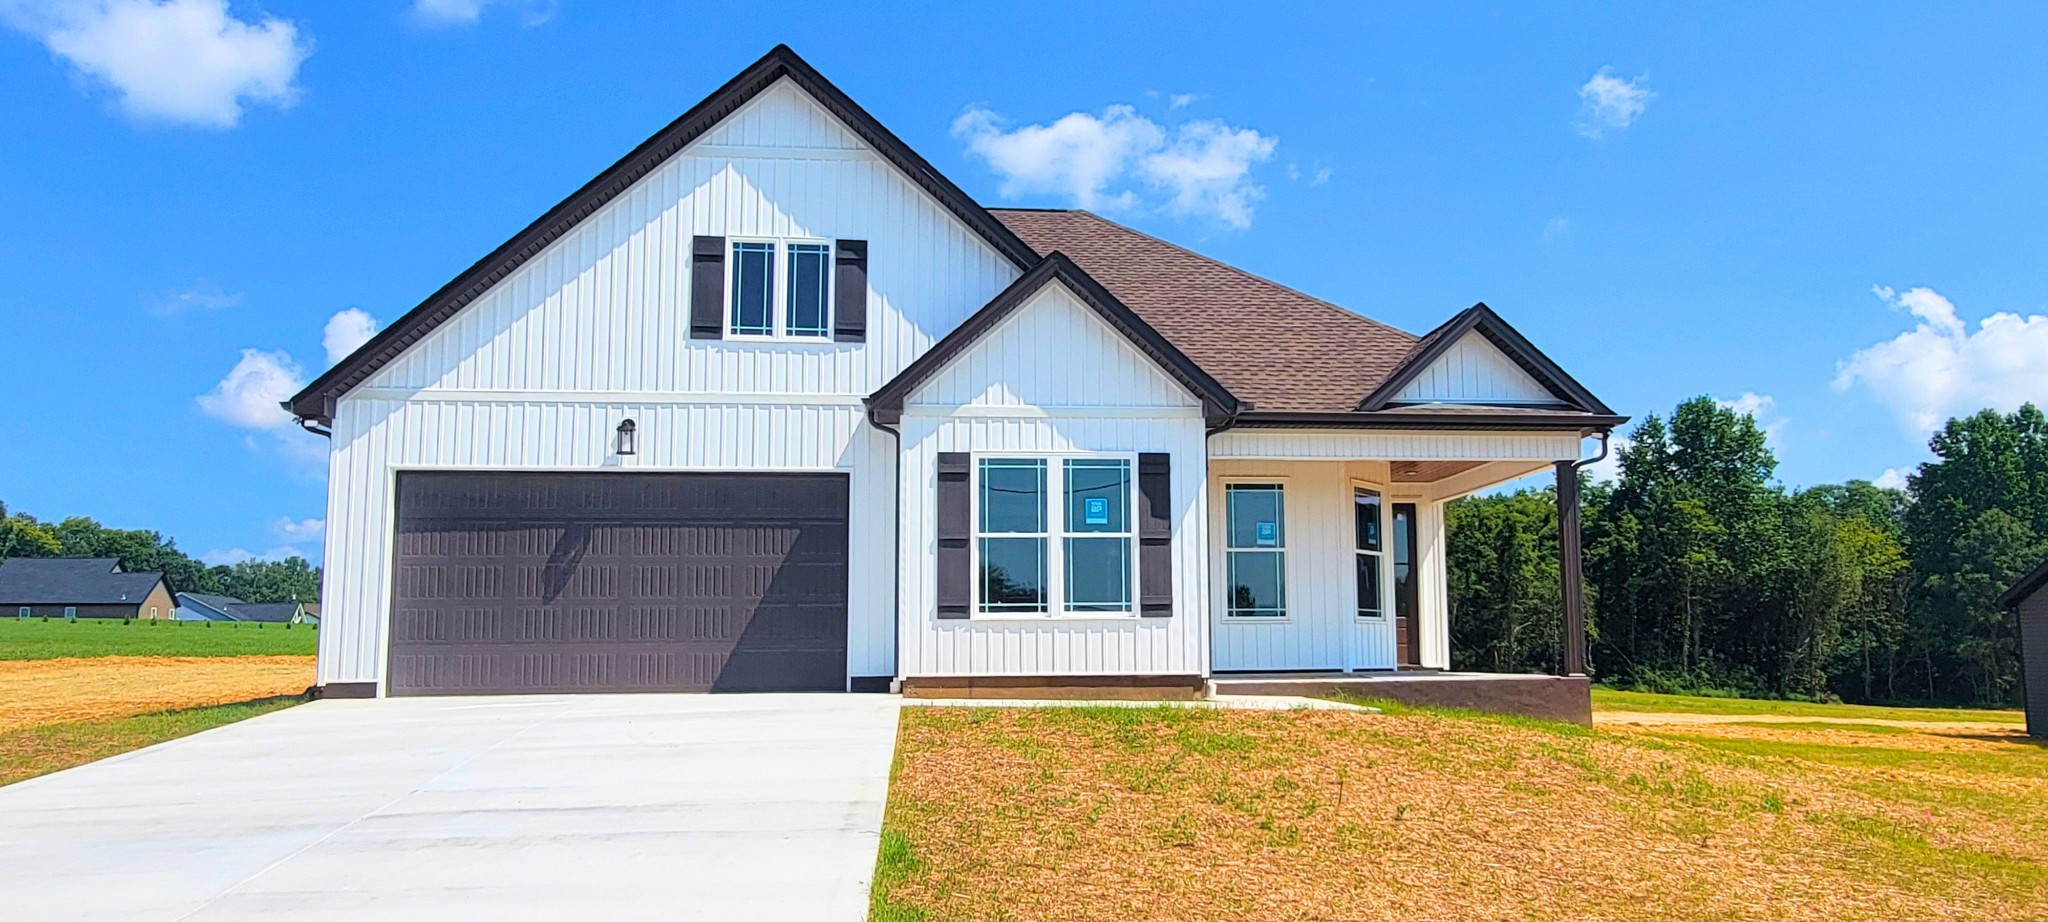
x,y
40,692
1076,814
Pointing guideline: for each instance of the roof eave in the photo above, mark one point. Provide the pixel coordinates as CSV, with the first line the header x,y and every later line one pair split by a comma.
x,y
1585,423
2025,588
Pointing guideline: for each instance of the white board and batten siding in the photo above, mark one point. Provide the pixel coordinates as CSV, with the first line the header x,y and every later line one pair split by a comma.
x,y
1474,371
536,373
1052,379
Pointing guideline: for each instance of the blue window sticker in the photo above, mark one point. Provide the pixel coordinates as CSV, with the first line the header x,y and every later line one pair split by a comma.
x,y
1095,510
1268,533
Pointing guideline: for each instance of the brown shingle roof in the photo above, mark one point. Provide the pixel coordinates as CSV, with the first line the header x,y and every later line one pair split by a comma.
x,y
1274,347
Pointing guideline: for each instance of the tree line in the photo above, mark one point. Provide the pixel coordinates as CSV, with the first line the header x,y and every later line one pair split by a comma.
x,y
1704,573
140,550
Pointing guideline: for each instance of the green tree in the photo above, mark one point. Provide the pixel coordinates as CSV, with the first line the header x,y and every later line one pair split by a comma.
x,y
1978,520
289,580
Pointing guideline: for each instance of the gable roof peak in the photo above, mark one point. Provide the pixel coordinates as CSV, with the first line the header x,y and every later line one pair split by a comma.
x,y
885,406
1482,320
316,401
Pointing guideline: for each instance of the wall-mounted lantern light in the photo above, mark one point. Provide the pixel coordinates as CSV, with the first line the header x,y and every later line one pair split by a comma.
x,y
629,438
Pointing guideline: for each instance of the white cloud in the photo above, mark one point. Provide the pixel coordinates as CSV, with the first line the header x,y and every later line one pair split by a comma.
x,y
346,332
1760,407
248,397
288,529
180,61
469,12
228,557
1891,479
1941,368
1609,103
1557,227
1200,168
1182,100
202,295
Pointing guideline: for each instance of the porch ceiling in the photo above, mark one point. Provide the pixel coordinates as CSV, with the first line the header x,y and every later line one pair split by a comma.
x,y
1429,471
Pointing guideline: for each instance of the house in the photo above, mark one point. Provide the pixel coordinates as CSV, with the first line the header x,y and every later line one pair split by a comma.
x,y
2028,601
196,606
271,612
772,404
80,587
200,606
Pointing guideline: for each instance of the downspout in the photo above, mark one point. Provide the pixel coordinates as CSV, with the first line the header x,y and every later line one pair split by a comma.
x,y
895,558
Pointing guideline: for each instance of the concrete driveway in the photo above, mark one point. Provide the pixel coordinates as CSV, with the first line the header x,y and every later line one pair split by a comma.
x,y
542,807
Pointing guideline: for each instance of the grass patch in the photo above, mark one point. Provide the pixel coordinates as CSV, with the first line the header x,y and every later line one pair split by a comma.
x,y
35,639
33,751
2019,760
895,861
1607,699
1417,813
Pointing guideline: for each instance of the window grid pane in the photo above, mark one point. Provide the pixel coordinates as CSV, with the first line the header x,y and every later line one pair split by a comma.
x,y
753,289
1098,574
1013,496
1013,575
810,267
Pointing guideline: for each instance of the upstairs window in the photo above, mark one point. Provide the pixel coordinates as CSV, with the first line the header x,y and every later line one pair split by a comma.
x,y
780,289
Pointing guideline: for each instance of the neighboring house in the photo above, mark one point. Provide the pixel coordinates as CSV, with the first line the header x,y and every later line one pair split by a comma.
x,y
199,606
2028,600
772,404
80,587
270,612
195,606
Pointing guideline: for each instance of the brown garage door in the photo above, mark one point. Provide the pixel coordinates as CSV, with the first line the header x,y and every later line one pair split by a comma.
x,y
619,582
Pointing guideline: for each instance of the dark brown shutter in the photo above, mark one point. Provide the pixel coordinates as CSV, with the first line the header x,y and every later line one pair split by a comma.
x,y
1155,535
850,292
955,582
707,288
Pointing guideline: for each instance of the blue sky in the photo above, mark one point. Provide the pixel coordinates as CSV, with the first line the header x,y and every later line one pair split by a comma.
x,y
1834,215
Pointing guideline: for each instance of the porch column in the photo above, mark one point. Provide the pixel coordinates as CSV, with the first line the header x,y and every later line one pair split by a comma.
x,y
1570,571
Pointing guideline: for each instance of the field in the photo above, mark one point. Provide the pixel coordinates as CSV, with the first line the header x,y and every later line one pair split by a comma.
x,y
74,692
38,639
1674,809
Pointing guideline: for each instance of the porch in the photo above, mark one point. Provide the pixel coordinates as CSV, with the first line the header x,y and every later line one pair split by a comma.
x,y
1329,559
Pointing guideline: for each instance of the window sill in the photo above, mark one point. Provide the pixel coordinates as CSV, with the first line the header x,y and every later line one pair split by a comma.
x,y
779,340
1257,619
1055,618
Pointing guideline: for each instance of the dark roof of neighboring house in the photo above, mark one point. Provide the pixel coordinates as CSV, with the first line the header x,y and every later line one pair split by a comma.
x,y
316,401
1274,347
271,612
219,603
72,581
2027,586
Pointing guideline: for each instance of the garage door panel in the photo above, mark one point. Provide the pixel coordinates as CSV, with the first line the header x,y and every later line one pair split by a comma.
x,y
570,582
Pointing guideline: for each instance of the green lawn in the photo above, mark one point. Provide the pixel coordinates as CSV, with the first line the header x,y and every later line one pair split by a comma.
x,y
33,751
38,639
1606,699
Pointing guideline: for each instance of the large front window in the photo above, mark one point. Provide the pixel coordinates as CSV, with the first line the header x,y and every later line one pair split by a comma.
x,y
1255,545
781,289
1055,537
